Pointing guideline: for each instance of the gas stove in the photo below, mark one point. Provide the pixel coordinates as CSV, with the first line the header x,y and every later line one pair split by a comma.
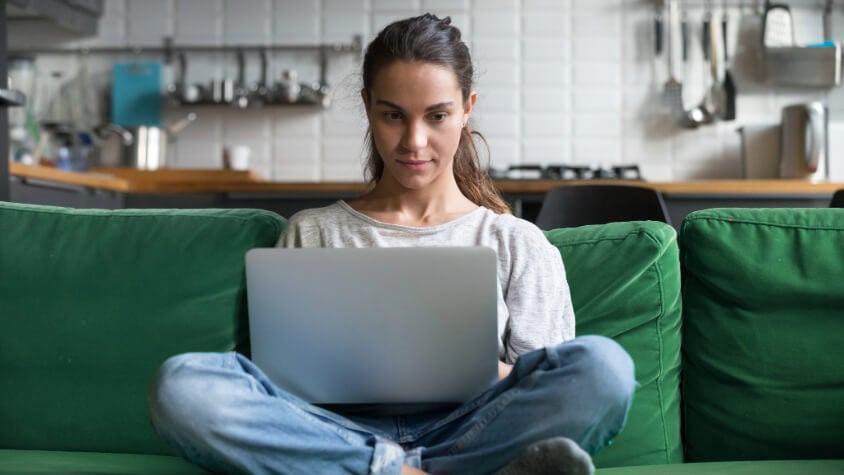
x,y
567,172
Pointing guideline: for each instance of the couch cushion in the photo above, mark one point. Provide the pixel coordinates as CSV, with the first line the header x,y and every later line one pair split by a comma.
x,y
766,467
763,365
93,301
20,462
625,284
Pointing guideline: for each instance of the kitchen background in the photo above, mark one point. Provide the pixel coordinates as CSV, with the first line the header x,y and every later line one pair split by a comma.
x,y
560,81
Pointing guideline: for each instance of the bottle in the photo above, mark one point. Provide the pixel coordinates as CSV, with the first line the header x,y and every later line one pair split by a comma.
x,y
290,87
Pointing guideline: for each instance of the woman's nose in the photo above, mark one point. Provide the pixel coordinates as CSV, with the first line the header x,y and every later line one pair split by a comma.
x,y
415,136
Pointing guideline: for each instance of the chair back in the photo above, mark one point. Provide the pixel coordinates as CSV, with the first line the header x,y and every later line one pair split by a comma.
x,y
579,205
837,199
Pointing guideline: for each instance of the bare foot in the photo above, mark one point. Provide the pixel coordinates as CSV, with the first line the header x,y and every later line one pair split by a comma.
x,y
408,470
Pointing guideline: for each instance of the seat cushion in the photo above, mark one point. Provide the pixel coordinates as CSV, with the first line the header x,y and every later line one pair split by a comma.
x,y
766,467
625,284
763,339
20,462
93,301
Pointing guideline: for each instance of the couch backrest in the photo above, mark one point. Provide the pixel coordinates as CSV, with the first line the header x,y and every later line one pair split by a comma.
x,y
625,284
91,303
763,334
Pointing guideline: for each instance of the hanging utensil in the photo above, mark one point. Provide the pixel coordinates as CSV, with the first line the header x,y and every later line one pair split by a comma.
x,y
672,93
728,111
658,27
704,113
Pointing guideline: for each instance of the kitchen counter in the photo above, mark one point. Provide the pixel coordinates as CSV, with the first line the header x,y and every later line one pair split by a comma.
x,y
176,181
113,188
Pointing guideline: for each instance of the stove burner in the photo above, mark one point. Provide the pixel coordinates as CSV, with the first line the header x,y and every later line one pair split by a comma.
x,y
568,172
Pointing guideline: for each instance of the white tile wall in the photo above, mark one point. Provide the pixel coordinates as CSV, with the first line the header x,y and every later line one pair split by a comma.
x,y
571,81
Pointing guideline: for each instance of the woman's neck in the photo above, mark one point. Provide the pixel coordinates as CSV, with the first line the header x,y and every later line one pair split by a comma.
x,y
392,204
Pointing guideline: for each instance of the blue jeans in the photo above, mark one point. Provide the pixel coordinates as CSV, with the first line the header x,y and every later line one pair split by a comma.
x,y
222,413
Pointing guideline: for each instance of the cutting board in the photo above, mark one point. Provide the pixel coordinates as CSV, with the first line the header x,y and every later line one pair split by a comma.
x,y
136,94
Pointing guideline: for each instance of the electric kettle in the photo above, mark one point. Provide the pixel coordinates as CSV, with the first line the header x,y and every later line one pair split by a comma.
x,y
804,152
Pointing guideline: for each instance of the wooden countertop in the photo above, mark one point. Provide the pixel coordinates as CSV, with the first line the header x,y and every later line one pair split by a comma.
x,y
173,180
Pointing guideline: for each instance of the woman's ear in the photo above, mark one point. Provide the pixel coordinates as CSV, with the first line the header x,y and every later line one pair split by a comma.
x,y
469,104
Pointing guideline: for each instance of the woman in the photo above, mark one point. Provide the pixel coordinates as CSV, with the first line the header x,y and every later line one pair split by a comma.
x,y
553,398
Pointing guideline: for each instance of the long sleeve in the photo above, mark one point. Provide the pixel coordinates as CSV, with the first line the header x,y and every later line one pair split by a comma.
x,y
537,297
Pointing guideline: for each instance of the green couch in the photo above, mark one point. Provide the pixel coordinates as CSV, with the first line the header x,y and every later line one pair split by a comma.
x,y
739,367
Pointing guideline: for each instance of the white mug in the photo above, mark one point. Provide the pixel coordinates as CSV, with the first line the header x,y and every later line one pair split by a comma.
x,y
236,157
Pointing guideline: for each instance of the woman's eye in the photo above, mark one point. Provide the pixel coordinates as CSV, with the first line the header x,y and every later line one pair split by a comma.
x,y
438,116
392,115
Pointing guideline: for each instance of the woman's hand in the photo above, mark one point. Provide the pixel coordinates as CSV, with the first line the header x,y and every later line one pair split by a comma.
x,y
503,370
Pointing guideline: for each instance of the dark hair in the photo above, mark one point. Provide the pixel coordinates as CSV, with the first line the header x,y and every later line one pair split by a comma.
x,y
430,39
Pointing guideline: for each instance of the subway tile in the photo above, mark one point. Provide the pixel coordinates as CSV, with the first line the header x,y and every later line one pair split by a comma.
x,y
290,151
596,74
497,125
338,123
596,152
294,28
297,7
553,125
502,151
296,172
531,6
434,5
198,154
342,172
597,125
642,102
597,48
251,125
715,168
546,151
247,22
395,5
344,6
495,5
596,99
597,23
580,6
491,48
546,99
343,151
545,24
495,24
148,22
549,48
497,73
342,27
546,73
199,22
642,151
497,100
208,126
644,74
695,146
383,18
296,122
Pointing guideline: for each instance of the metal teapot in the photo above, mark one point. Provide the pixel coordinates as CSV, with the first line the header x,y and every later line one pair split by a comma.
x,y
144,147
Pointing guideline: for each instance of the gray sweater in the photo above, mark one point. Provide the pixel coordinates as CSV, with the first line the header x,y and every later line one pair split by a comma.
x,y
534,304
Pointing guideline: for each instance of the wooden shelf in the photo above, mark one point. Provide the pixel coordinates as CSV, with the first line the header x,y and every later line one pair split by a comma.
x,y
221,181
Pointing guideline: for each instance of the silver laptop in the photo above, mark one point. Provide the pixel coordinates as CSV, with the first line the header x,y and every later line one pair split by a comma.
x,y
375,325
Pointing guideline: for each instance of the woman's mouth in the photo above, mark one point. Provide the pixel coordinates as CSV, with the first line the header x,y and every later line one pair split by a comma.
x,y
414,164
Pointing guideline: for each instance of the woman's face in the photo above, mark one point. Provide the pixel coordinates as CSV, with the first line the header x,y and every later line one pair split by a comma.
x,y
416,113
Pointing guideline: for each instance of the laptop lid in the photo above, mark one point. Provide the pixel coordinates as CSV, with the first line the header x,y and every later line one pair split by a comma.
x,y
375,325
